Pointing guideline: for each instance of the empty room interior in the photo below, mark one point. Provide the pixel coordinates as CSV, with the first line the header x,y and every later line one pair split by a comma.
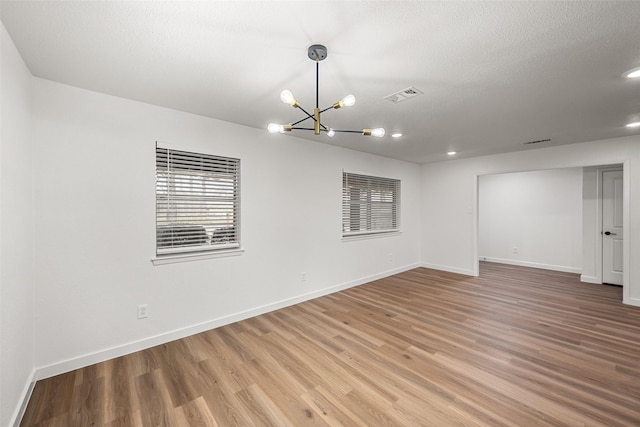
x,y
319,213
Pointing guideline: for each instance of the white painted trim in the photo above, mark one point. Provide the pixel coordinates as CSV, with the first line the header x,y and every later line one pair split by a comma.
x,y
197,256
110,353
532,265
590,279
370,235
626,235
598,230
16,418
196,148
466,272
475,225
600,213
368,173
634,301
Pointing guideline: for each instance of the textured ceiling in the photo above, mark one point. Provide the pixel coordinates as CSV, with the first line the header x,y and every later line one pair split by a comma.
x,y
494,74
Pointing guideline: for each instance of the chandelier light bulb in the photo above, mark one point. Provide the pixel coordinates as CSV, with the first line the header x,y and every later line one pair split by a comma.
x,y
287,97
331,133
632,74
379,132
275,128
348,100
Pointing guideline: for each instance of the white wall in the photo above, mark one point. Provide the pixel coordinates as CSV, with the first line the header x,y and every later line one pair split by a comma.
x,y
16,231
537,212
95,226
449,197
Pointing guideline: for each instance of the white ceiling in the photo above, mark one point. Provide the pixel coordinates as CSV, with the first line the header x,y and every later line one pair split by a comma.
x,y
494,74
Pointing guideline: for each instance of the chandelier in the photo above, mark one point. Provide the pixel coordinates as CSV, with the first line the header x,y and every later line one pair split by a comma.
x,y
317,53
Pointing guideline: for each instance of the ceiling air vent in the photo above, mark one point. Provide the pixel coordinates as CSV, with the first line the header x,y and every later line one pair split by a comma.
x,y
403,95
540,141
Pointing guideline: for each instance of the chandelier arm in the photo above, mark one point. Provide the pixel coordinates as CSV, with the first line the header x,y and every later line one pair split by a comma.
x,y
327,109
348,131
306,118
310,116
324,128
302,120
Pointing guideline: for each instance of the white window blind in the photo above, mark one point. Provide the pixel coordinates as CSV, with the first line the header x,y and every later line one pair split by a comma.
x,y
370,204
197,202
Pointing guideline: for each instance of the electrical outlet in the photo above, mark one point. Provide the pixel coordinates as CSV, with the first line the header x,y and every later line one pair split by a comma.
x,y
303,276
143,311
515,249
390,257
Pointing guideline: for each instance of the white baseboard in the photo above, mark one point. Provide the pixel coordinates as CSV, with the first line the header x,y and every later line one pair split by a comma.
x,y
590,279
121,350
24,400
532,264
634,302
447,268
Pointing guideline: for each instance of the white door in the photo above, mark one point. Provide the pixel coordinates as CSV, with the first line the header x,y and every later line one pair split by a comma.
x,y
612,227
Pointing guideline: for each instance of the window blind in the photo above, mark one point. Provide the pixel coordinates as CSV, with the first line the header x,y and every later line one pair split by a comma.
x,y
370,204
197,202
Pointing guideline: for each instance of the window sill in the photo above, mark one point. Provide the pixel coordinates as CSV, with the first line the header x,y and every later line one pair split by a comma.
x,y
173,259
366,236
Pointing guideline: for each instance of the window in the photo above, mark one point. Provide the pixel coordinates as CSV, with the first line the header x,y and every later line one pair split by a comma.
x,y
369,204
197,202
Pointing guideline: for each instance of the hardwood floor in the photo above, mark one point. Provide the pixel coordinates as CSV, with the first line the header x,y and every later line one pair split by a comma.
x,y
514,347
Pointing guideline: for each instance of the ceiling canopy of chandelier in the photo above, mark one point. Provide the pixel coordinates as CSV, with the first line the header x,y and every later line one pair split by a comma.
x,y
317,53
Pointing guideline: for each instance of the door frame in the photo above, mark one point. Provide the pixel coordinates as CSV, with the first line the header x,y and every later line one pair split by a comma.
x,y
600,215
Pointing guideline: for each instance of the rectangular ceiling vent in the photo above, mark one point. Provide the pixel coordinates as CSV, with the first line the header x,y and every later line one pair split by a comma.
x,y
403,95
540,141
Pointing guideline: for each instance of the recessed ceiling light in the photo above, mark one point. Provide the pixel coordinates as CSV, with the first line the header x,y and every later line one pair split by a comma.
x,y
451,153
396,135
633,125
631,74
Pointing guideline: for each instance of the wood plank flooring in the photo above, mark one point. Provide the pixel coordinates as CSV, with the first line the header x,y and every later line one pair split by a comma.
x,y
513,347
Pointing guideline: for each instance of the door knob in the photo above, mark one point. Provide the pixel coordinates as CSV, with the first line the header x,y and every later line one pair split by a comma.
x,y
608,233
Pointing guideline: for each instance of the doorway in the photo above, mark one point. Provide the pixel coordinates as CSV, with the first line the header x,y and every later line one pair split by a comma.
x,y
612,226
592,226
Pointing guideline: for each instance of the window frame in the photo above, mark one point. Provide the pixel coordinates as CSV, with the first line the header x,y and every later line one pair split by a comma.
x,y
208,198
372,207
